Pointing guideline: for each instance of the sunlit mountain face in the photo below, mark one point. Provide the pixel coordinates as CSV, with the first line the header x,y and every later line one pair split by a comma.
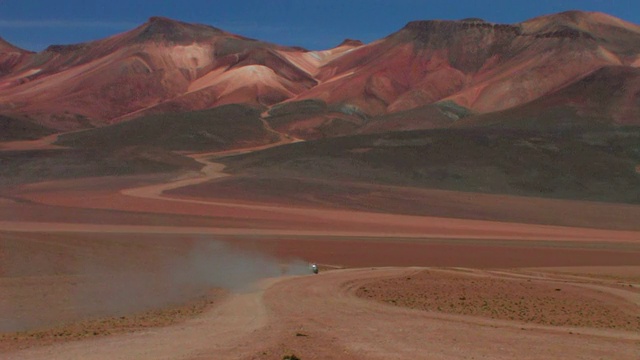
x,y
429,74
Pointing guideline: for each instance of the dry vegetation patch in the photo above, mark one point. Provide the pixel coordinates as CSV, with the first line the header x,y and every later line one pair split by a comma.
x,y
527,300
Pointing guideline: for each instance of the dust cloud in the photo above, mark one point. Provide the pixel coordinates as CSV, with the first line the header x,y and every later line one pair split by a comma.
x,y
71,280
214,264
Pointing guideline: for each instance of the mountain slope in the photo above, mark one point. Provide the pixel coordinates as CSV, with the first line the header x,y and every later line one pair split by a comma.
x,y
412,79
610,95
482,66
403,81
103,81
10,57
222,128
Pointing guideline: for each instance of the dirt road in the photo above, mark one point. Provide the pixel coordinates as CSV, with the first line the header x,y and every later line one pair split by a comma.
x,y
218,331
45,143
319,317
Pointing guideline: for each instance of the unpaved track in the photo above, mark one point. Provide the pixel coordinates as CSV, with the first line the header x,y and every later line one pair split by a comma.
x,y
210,170
289,220
325,308
45,143
438,227
220,330
319,317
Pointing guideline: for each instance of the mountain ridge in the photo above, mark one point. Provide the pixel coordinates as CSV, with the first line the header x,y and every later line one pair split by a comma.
x,y
168,65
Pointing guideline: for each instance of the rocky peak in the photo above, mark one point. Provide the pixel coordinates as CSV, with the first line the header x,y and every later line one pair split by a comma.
x,y
351,42
164,29
6,47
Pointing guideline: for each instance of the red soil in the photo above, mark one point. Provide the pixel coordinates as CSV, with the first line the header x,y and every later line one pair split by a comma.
x,y
530,299
49,228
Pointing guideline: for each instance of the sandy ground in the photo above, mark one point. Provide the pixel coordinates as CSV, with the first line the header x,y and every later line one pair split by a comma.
x,y
335,194
287,219
533,298
44,143
129,226
321,317
82,329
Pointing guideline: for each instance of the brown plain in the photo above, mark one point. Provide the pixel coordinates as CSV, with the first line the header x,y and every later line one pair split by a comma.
x,y
443,270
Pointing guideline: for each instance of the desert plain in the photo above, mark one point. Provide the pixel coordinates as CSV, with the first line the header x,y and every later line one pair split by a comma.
x,y
202,265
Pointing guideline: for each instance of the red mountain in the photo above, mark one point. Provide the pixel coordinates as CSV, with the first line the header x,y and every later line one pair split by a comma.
x,y
482,66
609,94
411,79
10,57
163,62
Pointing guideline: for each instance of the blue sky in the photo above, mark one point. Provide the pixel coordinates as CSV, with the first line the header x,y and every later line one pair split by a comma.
x,y
313,24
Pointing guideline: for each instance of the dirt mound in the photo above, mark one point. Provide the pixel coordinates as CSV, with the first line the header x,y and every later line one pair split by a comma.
x,y
536,301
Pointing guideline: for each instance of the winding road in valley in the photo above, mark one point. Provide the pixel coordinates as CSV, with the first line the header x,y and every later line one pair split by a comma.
x,y
397,226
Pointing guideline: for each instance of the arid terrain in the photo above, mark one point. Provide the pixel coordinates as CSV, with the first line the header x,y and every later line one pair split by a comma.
x,y
86,262
458,206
